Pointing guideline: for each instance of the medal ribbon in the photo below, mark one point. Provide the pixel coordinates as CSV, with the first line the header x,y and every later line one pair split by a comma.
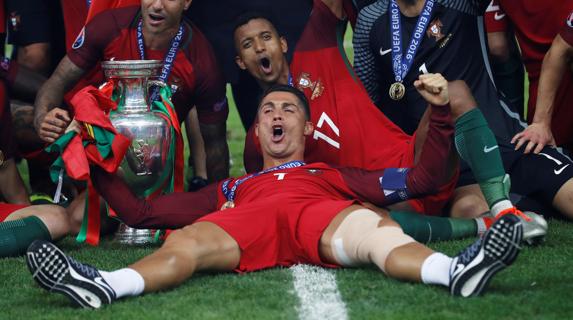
x,y
169,57
231,193
402,64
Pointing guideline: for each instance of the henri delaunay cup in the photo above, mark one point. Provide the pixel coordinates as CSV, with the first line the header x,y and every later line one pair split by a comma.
x,y
145,159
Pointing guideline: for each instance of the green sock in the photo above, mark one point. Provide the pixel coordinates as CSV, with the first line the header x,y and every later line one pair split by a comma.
x,y
476,145
427,228
16,236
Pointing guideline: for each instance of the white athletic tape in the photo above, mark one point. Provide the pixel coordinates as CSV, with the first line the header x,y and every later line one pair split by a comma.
x,y
317,293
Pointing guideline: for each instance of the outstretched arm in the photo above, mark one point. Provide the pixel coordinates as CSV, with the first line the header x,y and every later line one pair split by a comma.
x,y
171,211
538,134
50,120
391,185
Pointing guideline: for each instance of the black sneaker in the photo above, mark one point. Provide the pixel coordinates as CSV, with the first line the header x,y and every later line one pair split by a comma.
x,y
474,267
55,271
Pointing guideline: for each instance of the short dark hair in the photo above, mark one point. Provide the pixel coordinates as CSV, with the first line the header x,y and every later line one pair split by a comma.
x,y
286,88
246,17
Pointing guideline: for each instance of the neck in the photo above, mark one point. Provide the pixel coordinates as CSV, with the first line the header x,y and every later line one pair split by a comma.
x,y
283,78
270,161
411,8
159,40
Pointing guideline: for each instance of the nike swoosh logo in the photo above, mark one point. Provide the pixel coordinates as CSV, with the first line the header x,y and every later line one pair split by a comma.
x,y
558,172
100,281
384,52
459,269
487,149
498,16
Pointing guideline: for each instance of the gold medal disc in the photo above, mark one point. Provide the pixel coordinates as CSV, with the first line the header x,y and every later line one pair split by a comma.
x,y
397,91
228,205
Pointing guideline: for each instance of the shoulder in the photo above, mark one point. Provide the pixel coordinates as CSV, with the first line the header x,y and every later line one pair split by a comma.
x,y
472,7
369,14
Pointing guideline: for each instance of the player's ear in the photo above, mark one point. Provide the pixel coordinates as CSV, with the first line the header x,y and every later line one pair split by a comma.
x,y
284,45
240,63
308,128
257,129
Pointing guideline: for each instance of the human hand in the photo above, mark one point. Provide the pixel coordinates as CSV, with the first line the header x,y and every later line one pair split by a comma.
x,y
537,136
53,124
433,87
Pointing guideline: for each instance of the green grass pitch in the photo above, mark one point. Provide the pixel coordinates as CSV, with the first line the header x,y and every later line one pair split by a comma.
x,y
537,286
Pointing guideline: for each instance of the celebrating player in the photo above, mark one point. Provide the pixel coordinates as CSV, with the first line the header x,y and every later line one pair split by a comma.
x,y
397,40
349,130
316,210
155,30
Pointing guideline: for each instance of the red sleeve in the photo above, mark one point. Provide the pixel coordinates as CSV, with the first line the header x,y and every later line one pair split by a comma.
x,y
209,96
320,31
391,185
567,30
89,46
75,13
495,18
170,211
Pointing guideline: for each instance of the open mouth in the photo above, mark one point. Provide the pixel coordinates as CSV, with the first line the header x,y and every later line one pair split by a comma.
x,y
278,133
155,17
265,64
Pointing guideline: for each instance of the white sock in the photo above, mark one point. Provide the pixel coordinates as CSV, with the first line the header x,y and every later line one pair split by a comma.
x,y
500,206
436,269
125,282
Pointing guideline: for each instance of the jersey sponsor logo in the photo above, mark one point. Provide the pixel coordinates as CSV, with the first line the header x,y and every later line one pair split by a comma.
x,y
492,7
558,171
384,52
498,16
557,162
315,171
487,149
79,39
316,87
221,105
570,20
435,30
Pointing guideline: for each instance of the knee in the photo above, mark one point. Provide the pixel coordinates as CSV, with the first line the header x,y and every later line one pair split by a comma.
x,y
468,207
461,99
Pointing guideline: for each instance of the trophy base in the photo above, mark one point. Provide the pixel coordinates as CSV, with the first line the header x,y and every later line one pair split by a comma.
x,y
132,236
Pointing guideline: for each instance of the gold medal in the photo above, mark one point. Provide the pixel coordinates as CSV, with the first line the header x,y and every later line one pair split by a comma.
x,y
228,205
397,91
1,158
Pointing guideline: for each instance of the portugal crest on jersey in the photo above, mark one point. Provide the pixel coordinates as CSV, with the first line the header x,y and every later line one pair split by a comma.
x,y
435,30
79,39
316,87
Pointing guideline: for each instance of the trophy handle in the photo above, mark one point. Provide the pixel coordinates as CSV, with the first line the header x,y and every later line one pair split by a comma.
x,y
157,83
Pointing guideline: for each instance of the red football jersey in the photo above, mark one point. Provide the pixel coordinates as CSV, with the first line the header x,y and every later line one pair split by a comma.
x,y
349,129
280,216
536,24
195,78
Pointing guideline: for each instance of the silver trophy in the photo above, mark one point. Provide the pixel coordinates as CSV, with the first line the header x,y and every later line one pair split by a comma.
x,y
150,134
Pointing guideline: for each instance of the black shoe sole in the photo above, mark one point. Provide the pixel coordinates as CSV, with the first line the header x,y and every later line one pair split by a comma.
x,y
51,269
499,249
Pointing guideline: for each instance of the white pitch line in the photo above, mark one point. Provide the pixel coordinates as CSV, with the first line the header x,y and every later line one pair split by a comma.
x,y
317,293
